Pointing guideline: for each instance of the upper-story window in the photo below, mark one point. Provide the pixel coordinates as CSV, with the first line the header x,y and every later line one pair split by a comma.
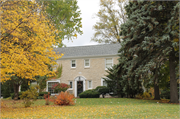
x,y
109,62
86,63
73,63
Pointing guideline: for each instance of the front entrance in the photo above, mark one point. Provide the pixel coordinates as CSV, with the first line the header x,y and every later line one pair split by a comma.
x,y
79,87
80,82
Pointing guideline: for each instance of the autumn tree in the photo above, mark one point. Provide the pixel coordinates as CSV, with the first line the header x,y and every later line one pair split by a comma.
x,y
27,40
150,38
64,15
111,15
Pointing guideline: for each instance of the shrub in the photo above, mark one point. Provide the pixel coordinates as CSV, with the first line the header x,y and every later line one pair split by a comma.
x,y
102,90
29,96
64,98
60,87
47,98
146,95
19,94
89,94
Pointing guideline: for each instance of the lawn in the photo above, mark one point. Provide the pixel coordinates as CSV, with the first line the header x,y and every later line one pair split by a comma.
x,y
93,108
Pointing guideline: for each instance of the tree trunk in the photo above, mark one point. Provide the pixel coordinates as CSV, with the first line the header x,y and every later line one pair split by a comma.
x,y
103,95
16,91
156,90
156,86
173,81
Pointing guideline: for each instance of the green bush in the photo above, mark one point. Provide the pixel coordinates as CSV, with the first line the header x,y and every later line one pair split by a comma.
x,y
42,93
102,90
29,96
19,94
89,94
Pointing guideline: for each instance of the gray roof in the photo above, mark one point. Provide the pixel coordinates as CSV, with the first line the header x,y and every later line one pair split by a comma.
x,y
89,51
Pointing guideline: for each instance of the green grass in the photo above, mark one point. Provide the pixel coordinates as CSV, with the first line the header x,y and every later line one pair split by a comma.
x,y
96,108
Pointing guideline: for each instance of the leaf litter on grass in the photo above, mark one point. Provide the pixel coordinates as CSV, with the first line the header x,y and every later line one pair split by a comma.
x,y
97,108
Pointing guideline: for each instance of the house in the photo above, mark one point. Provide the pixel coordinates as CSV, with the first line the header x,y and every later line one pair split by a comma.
x,y
85,66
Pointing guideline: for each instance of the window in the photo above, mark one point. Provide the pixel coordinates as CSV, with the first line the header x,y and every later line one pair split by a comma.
x,y
73,63
103,83
50,84
70,83
89,84
109,62
86,63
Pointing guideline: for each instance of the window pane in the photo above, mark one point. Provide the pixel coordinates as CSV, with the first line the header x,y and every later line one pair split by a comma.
x,y
73,65
108,65
86,64
109,60
70,84
90,84
104,83
73,61
50,84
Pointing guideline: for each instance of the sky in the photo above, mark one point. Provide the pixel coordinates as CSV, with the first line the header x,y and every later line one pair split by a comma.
x,y
88,10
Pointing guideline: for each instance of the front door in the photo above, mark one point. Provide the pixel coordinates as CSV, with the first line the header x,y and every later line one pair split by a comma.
x,y
79,87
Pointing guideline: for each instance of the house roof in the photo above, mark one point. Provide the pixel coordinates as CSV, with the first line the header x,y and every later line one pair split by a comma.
x,y
89,51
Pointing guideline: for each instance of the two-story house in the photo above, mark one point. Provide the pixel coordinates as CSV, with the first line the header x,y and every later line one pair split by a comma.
x,y
85,66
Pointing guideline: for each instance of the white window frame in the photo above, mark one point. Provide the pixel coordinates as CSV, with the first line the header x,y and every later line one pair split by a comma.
x,y
91,85
75,63
85,63
51,81
70,85
106,62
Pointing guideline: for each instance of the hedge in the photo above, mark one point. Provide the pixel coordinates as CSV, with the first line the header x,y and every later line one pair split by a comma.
x,y
89,94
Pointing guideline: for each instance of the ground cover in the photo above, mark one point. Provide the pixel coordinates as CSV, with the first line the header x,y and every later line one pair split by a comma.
x,y
93,108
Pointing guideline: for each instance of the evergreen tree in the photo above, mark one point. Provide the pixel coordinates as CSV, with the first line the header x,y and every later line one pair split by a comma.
x,y
120,86
150,36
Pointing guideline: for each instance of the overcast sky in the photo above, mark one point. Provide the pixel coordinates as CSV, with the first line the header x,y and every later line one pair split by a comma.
x,y
88,10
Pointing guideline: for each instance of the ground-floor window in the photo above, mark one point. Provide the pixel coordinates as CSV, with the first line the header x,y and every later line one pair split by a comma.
x,y
103,82
70,83
89,84
50,85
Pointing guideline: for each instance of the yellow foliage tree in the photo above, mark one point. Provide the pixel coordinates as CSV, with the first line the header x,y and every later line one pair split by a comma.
x,y
26,41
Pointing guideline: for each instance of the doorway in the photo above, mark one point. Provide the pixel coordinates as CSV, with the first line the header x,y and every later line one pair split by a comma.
x,y
79,87
80,82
